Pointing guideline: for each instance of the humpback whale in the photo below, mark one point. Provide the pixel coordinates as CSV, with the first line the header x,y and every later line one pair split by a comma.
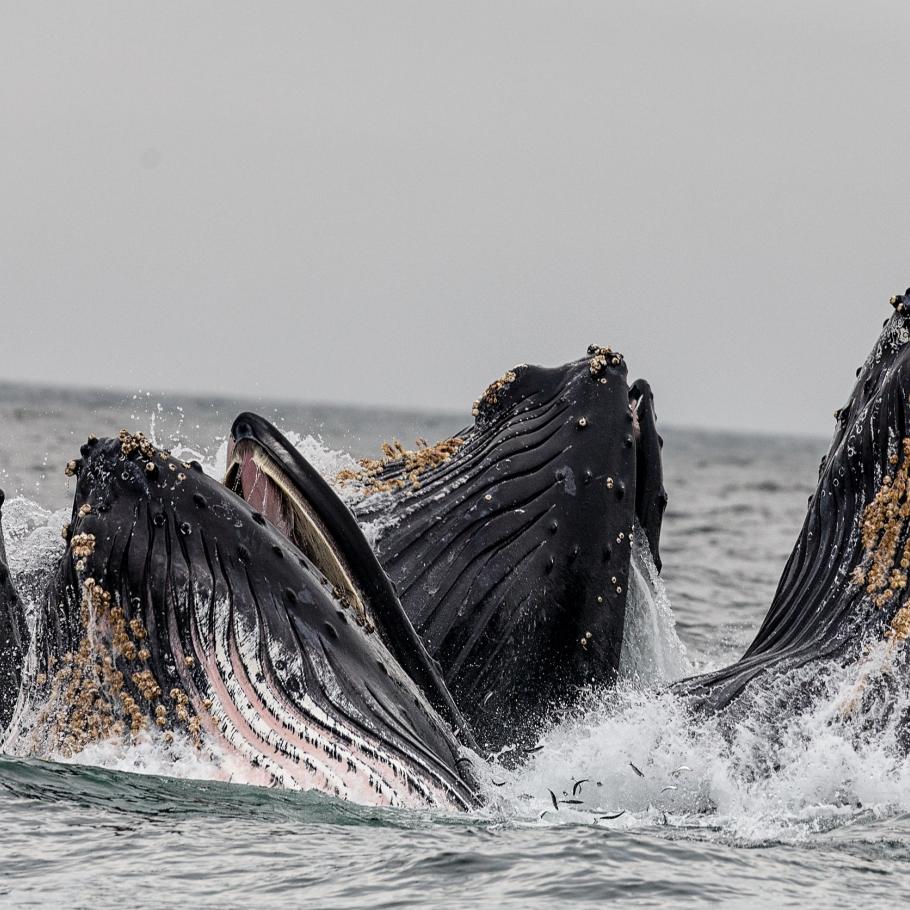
x,y
843,592
509,543
177,610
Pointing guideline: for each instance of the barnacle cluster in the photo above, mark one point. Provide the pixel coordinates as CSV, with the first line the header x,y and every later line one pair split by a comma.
x,y
490,397
145,682
899,629
886,559
139,442
407,464
82,545
355,606
98,691
136,442
601,357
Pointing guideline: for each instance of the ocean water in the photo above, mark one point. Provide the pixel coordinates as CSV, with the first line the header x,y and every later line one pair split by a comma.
x,y
785,811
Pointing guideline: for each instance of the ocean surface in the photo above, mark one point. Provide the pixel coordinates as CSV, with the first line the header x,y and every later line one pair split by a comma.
x,y
805,817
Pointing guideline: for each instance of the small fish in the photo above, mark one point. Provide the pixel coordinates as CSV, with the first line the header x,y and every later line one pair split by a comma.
x,y
680,770
488,696
609,817
578,783
494,756
638,771
535,749
498,783
668,787
555,801
572,802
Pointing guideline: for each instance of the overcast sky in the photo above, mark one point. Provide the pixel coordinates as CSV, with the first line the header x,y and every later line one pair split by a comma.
x,y
395,202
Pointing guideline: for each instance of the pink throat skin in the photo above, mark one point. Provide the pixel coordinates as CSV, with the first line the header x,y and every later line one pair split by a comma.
x,y
287,746
261,493
282,745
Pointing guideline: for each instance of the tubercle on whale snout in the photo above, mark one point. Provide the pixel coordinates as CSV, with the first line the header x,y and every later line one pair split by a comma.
x,y
160,622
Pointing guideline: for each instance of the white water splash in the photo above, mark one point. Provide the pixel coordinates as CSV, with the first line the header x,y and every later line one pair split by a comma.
x,y
327,461
150,755
34,546
766,773
651,650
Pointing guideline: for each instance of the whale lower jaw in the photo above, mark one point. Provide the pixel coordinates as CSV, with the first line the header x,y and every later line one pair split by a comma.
x,y
295,743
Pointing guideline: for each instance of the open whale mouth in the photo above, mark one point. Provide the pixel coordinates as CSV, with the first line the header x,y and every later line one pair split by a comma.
x,y
258,478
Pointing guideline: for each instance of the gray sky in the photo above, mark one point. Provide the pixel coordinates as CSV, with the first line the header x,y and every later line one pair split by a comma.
x,y
394,202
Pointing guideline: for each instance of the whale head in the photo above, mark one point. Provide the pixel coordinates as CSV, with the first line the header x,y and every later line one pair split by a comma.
x,y
179,611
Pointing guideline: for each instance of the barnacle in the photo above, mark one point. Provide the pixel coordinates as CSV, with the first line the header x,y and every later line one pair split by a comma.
x,y
406,464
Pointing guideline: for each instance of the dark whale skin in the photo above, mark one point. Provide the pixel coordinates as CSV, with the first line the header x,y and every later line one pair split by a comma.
x,y
511,552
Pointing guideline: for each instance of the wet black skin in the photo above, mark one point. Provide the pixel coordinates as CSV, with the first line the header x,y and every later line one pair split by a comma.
x,y
507,555
169,541
13,637
818,611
